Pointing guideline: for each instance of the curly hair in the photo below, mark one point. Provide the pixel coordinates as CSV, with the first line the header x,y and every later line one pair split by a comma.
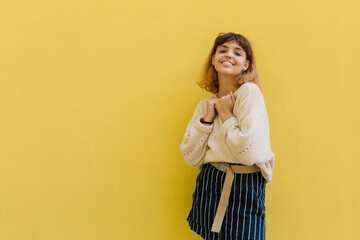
x,y
209,79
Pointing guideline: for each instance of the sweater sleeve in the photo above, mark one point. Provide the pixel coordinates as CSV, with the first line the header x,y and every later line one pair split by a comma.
x,y
247,133
194,144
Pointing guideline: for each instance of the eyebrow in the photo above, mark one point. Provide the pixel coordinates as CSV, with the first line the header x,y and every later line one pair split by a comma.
x,y
235,47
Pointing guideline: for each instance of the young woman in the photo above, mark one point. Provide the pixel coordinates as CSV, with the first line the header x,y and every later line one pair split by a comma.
x,y
228,139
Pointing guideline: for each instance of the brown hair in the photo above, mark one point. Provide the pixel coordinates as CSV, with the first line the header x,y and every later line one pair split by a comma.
x,y
209,79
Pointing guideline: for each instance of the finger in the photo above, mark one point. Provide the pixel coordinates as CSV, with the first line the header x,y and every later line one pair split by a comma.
x,y
233,96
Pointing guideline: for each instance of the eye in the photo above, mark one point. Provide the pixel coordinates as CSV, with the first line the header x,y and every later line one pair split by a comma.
x,y
238,54
222,51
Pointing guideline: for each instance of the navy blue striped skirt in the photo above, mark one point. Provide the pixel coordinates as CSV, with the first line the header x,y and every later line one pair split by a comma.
x,y
245,215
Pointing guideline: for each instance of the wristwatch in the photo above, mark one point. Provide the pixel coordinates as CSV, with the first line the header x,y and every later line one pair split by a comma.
x,y
202,121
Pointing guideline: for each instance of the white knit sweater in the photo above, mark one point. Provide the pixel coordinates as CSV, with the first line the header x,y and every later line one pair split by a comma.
x,y
243,138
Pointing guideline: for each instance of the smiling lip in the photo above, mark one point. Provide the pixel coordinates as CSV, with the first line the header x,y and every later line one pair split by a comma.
x,y
228,62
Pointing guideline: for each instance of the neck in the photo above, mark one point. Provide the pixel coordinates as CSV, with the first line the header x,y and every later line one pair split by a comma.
x,y
227,84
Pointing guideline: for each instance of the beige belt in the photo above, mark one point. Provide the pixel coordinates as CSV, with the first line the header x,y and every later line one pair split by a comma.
x,y
224,199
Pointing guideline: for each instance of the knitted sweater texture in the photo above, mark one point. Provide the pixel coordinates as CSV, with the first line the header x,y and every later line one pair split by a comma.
x,y
243,138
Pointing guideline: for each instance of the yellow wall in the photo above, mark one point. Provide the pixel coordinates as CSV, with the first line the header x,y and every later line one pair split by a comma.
x,y
95,97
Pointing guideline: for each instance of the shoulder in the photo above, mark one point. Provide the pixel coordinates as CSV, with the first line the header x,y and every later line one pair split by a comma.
x,y
248,92
249,98
248,88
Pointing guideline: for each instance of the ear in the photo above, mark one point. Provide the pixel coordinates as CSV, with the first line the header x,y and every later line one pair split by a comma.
x,y
247,64
212,60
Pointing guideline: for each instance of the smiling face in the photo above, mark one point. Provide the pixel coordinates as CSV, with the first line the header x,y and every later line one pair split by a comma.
x,y
230,59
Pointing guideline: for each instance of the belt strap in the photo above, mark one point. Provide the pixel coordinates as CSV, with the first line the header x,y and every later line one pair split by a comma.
x,y
225,194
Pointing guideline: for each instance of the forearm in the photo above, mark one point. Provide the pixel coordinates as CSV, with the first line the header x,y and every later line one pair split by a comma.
x,y
225,116
193,146
249,143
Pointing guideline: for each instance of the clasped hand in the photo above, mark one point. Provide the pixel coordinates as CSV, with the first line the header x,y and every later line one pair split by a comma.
x,y
225,105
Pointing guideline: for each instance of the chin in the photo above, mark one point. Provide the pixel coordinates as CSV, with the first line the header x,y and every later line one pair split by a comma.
x,y
228,73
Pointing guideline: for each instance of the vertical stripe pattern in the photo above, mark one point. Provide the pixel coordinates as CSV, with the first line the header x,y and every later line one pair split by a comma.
x,y
245,215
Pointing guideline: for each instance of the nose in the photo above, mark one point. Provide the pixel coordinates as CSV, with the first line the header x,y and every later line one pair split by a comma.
x,y
228,55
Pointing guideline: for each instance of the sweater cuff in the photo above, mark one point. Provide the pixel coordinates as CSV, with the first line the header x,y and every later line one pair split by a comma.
x,y
203,128
231,121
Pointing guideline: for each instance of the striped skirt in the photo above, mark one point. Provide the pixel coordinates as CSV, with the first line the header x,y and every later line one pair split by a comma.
x,y
245,215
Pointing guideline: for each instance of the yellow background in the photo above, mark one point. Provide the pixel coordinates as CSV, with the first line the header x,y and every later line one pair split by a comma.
x,y
95,97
